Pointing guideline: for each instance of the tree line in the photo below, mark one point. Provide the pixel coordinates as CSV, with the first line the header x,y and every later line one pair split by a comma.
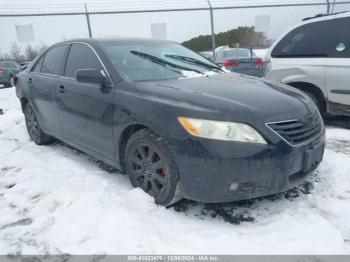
x,y
27,54
242,36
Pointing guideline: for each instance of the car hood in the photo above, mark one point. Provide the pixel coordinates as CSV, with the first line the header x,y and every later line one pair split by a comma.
x,y
232,94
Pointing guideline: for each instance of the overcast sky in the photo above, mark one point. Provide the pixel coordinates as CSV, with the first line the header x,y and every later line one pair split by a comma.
x,y
180,25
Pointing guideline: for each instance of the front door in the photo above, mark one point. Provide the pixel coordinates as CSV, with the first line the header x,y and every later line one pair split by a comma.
x,y
86,110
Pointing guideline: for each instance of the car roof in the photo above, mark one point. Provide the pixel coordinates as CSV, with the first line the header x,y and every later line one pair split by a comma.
x,y
235,49
322,17
330,16
111,40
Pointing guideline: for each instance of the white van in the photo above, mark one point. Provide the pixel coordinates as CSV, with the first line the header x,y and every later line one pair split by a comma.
x,y
314,56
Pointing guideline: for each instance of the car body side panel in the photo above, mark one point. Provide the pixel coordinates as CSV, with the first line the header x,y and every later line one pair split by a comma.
x,y
338,80
308,70
86,114
42,93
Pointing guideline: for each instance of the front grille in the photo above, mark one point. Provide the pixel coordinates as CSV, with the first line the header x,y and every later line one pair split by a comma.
x,y
296,132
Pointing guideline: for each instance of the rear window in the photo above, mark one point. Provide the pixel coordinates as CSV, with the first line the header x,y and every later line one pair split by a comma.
x,y
330,38
9,65
237,54
308,40
53,61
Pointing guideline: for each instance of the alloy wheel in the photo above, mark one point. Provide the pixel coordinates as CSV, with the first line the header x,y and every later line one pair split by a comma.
x,y
32,124
149,169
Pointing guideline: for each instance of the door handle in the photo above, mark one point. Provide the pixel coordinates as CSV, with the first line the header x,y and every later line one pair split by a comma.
x,y
61,89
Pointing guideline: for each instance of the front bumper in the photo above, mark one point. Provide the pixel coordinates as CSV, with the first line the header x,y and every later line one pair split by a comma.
x,y
216,171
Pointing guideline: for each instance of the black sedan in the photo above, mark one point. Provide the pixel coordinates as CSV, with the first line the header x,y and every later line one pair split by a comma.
x,y
177,124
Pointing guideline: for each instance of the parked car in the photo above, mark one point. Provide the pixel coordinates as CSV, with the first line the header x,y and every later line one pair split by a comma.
x,y
240,60
175,122
314,56
8,69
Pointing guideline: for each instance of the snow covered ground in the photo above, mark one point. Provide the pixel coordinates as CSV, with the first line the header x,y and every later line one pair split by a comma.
x,y
54,200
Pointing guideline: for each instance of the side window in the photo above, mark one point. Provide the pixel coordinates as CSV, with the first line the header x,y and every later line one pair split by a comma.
x,y
81,56
37,67
340,40
53,61
9,65
305,41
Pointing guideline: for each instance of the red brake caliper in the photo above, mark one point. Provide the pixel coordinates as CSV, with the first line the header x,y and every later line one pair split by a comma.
x,y
161,171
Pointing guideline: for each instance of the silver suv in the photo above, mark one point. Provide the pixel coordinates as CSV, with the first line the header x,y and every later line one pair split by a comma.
x,y
314,56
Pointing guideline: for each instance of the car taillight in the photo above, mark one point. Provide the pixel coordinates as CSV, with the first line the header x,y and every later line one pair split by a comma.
x,y
14,81
2,69
230,63
259,62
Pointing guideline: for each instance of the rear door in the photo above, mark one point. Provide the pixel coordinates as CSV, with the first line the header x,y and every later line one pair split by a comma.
x,y
338,62
42,81
300,56
86,110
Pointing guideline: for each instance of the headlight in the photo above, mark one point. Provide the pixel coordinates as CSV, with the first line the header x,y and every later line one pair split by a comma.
x,y
221,130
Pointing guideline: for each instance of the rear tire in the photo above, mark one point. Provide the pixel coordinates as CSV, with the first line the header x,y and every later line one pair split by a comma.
x,y
34,130
151,167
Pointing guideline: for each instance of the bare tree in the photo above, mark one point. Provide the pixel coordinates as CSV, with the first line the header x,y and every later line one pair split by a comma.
x,y
15,52
31,52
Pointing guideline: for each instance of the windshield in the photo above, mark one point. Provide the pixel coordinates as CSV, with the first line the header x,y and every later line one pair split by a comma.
x,y
238,54
156,60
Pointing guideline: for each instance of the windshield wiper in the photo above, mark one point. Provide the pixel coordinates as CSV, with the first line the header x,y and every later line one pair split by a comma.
x,y
161,61
194,61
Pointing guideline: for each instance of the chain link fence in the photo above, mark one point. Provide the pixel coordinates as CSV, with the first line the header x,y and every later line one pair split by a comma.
x,y
202,25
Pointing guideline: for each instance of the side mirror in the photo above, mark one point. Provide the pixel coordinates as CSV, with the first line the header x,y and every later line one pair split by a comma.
x,y
90,76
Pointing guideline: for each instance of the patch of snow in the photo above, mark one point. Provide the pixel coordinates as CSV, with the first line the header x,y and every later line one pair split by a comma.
x,y
192,74
55,200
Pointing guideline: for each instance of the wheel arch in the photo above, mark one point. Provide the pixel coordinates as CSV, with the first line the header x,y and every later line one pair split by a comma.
x,y
123,140
313,89
24,102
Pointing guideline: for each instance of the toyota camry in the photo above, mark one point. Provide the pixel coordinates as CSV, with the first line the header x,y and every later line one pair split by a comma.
x,y
176,123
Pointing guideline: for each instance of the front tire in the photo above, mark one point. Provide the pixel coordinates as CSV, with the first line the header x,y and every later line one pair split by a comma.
x,y
151,167
34,130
